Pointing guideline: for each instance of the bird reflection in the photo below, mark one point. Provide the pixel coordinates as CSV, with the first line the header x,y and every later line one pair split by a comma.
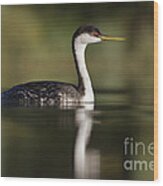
x,y
86,160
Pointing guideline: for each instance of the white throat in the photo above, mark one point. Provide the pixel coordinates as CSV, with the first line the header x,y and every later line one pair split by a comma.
x,y
80,57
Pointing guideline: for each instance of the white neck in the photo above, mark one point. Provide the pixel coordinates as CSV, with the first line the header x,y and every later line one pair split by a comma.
x,y
80,59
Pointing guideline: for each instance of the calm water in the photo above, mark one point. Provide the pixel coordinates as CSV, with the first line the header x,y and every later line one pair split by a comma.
x,y
85,142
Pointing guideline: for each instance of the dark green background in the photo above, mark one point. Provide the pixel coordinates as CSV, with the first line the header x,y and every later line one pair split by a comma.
x,y
36,45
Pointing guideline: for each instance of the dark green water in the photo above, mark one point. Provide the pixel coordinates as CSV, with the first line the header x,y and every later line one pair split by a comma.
x,y
75,143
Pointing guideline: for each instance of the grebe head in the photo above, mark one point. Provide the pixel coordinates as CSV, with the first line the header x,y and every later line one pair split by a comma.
x,y
87,34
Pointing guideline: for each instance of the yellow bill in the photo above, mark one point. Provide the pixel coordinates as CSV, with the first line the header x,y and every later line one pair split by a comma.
x,y
109,38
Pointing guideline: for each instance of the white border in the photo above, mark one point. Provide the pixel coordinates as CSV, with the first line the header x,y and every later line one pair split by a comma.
x,y
61,1
66,182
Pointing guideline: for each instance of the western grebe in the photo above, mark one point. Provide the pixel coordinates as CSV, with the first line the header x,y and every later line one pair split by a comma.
x,y
50,93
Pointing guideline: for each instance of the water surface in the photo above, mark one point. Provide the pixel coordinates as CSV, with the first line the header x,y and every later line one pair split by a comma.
x,y
84,142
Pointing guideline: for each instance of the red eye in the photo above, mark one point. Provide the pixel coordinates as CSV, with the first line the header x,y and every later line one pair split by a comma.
x,y
95,34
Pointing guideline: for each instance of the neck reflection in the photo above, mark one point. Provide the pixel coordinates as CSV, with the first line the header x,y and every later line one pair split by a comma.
x,y
86,160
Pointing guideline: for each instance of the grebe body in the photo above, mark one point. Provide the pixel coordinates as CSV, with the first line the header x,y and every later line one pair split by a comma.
x,y
41,93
